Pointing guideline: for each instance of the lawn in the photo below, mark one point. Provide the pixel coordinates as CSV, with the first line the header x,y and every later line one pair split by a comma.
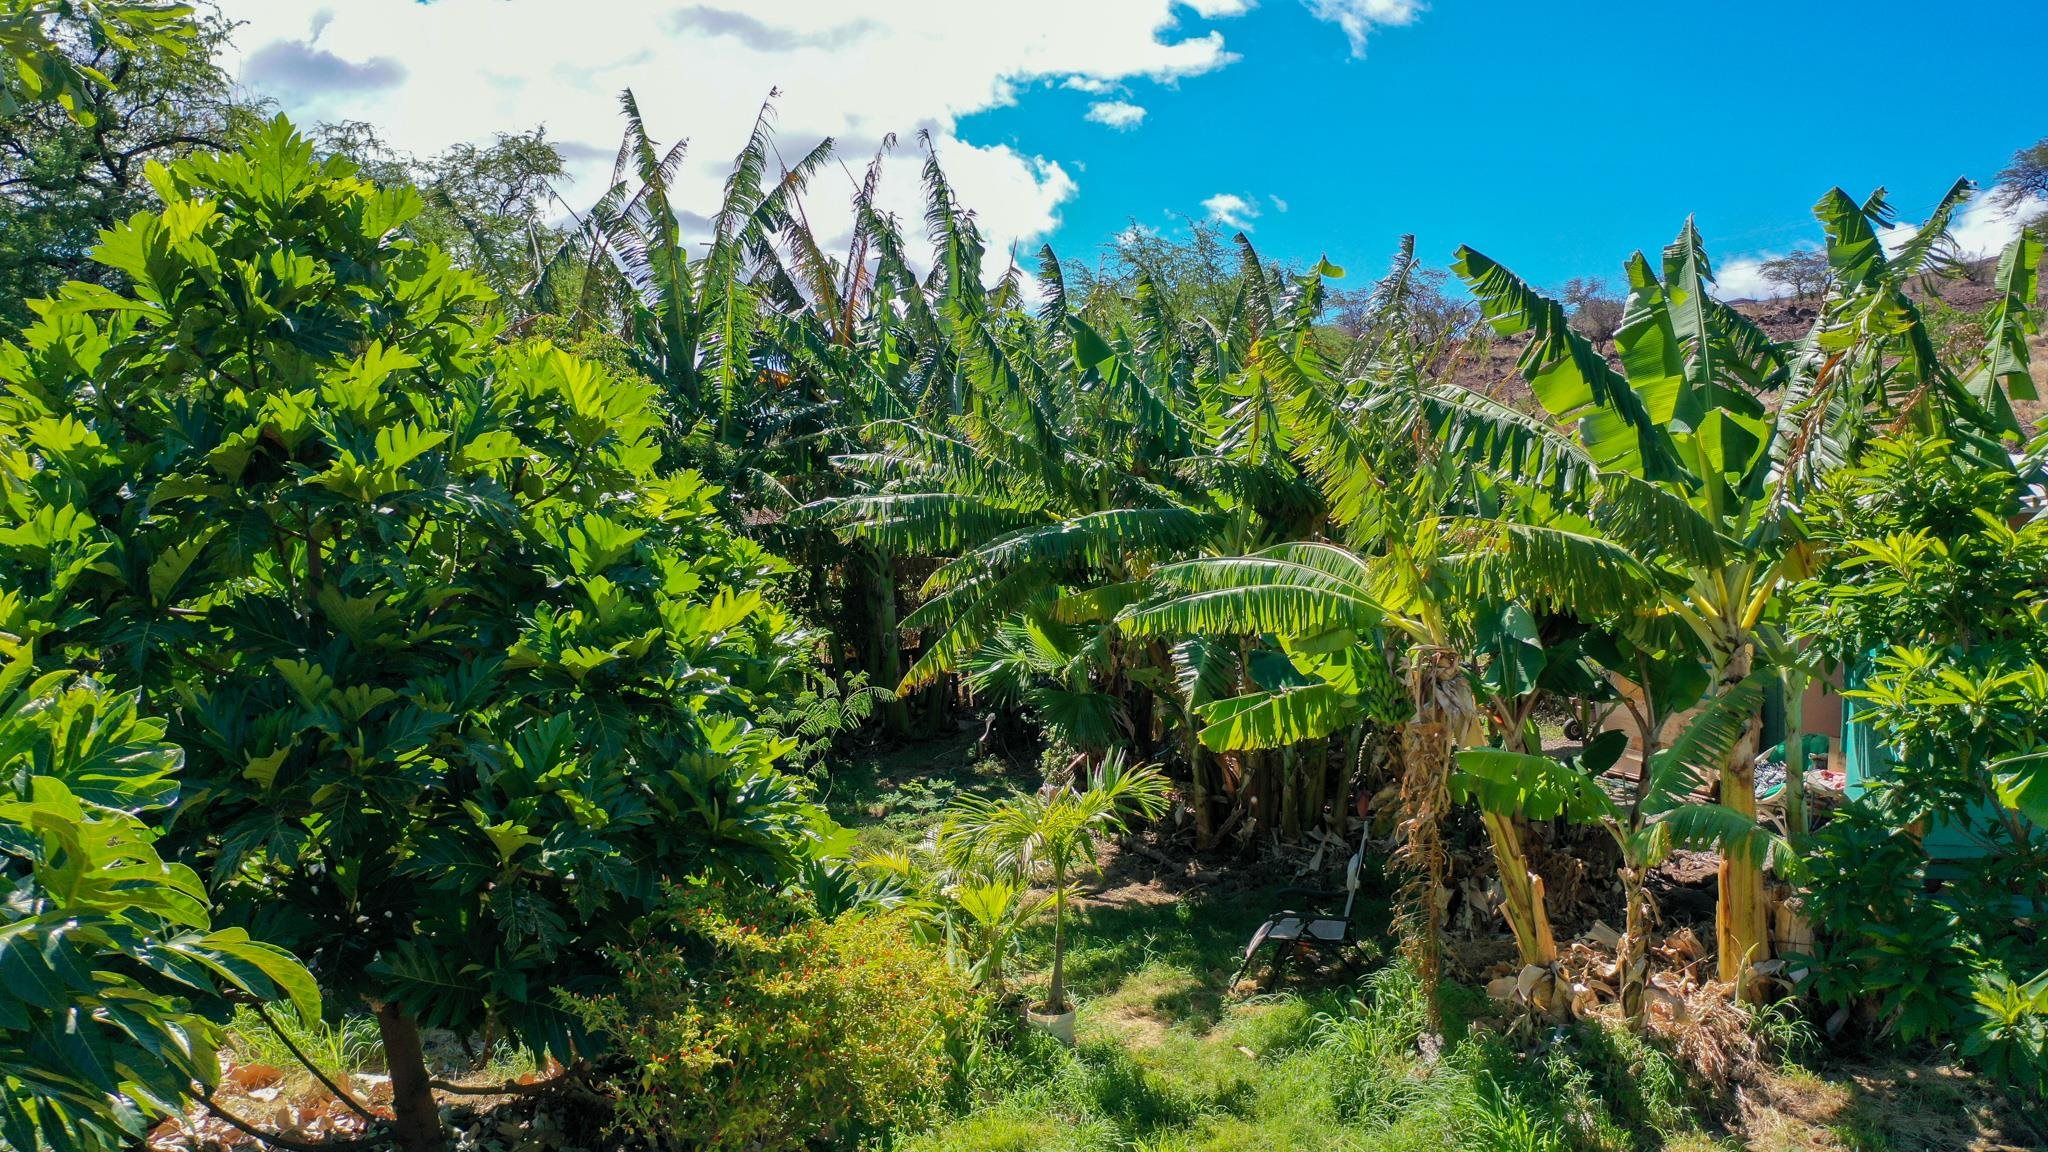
x,y
1171,1057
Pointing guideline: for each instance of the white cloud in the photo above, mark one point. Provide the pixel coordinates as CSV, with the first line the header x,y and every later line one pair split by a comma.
x,y
1983,228
1118,114
1217,9
1743,279
1359,17
432,75
1279,205
1231,210
1091,84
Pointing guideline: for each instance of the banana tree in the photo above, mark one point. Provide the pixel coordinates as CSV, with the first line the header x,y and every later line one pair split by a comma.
x,y
1437,560
1675,460
1324,605
1660,815
1050,466
1870,364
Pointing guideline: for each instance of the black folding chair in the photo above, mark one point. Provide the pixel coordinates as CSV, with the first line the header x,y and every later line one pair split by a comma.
x,y
1292,931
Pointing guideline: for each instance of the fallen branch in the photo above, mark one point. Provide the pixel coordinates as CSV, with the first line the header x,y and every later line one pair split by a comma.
x,y
1155,855
271,1138
509,1087
340,1093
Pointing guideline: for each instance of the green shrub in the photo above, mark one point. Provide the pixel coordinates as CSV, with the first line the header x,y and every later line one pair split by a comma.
x,y
750,1024
1886,940
461,671
110,968
2009,1037
1933,585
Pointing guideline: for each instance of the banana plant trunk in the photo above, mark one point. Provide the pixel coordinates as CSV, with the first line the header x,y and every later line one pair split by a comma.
x,y
1425,799
1632,956
1522,897
1198,793
874,578
1740,938
1796,820
1316,785
416,1119
1290,795
1521,892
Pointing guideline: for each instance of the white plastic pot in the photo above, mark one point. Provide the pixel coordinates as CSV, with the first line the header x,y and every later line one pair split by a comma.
x,y
1059,1024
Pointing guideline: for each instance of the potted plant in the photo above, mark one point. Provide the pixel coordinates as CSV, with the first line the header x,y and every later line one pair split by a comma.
x,y
1051,837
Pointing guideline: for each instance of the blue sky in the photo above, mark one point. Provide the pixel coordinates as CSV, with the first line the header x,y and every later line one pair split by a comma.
x,y
1555,137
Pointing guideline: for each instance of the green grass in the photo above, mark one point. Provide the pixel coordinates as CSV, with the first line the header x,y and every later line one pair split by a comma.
x,y
337,1049
1169,1060
889,796
352,1045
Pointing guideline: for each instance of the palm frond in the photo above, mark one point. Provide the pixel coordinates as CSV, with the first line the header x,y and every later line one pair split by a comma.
x,y
1538,787
1650,519
1573,381
921,523
1250,596
1099,540
1719,828
1505,442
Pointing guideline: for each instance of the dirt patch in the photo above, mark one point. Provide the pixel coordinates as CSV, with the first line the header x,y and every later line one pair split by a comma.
x,y
1134,1026
1922,1107
1137,871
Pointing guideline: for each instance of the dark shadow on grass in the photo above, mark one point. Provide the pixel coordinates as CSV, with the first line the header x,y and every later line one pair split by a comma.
x,y
892,794
1122,1090
1203,934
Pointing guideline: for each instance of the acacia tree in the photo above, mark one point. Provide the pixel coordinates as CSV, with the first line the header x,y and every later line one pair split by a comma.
x,y
461,673
90,93
54,49
1805,273
1596,311
2025,177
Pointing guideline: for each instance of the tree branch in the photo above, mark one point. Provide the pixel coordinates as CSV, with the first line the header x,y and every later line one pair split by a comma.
x,y
509,1087
272,1138
340,1094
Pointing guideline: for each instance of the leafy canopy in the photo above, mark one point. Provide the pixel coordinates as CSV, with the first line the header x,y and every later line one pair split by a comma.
x,y
108,956
462,673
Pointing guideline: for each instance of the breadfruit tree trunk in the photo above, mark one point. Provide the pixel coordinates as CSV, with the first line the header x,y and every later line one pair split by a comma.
x,y
416,1120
